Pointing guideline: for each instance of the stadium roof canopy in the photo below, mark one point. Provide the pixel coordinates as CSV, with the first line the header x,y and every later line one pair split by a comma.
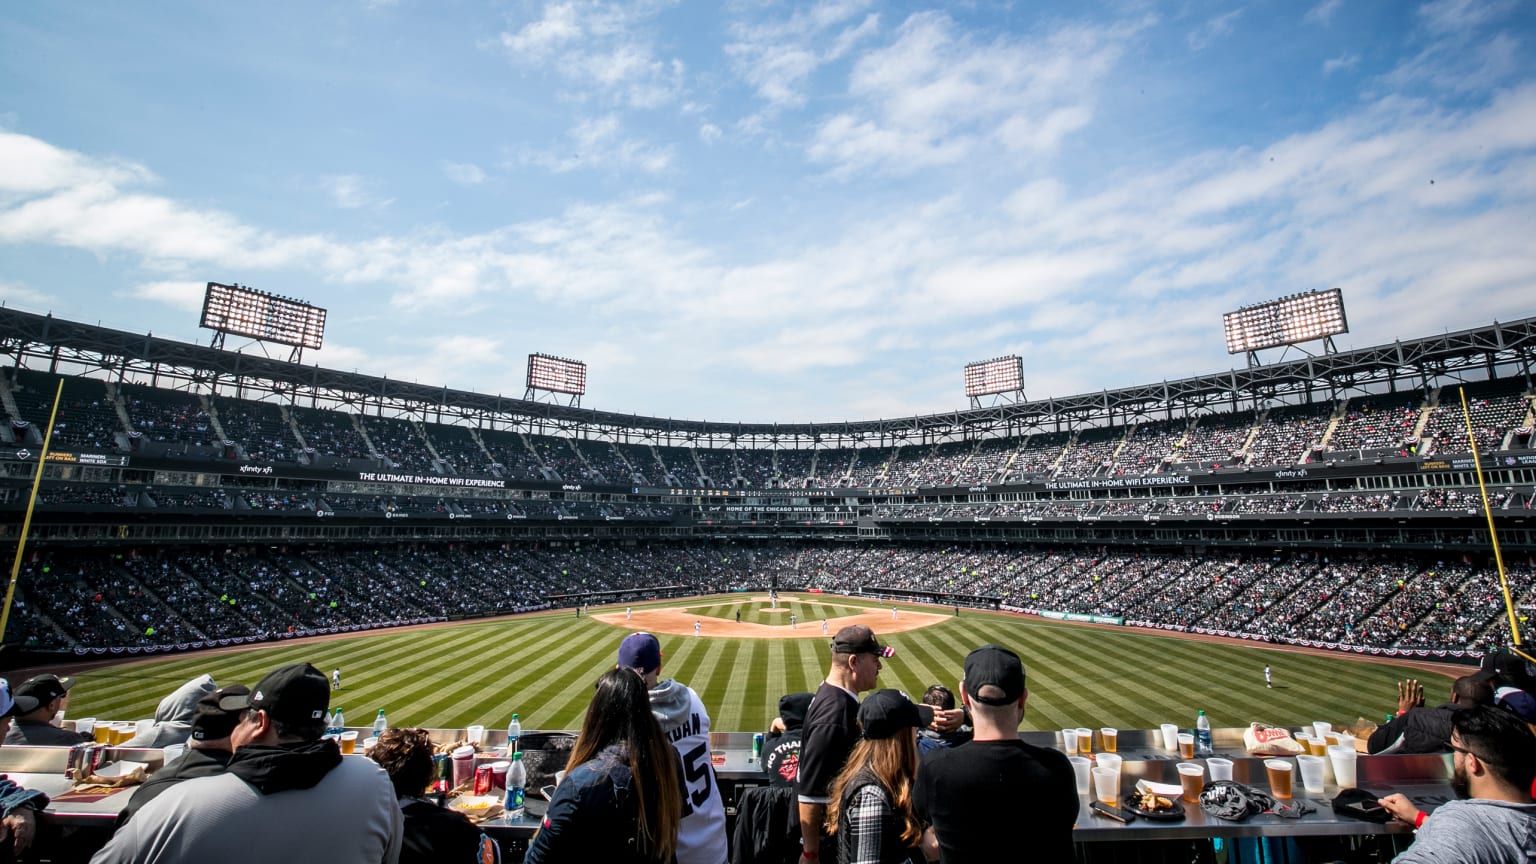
x,y
43,342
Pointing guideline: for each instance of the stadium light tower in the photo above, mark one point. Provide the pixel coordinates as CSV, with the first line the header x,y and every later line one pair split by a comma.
x,y
555,377
1002,377
1288,321
243,311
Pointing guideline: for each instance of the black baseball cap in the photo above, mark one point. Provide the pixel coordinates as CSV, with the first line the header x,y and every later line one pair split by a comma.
x,y
858,639
793,708
994,675
39,690
295,694
888,713
218,713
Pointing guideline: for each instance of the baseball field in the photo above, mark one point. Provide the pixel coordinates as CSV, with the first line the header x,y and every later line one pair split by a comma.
x,y
543,666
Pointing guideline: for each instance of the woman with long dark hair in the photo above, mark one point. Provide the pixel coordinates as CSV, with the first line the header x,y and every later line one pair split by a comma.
x,y
870,813
621,798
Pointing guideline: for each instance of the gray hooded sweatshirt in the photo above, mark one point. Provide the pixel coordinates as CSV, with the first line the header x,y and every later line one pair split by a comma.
x,y
685,722
173,719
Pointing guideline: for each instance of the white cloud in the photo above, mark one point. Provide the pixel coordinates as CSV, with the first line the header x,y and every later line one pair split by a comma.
x,y
354,192
935,96
1213,29
600,47
1343,61
17,294
186,296
463,173
709,133
600,144
778,57
1323,12
1450,16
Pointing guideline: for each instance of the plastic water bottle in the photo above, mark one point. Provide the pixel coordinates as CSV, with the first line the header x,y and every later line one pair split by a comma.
x,y
514,737
380,724
338,723
517,780
1203,736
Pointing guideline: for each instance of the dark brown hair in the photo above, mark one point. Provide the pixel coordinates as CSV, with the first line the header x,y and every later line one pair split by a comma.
x,y
406,755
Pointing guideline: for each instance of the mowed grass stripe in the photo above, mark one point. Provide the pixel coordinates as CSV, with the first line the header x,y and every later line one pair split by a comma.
x,y
543,666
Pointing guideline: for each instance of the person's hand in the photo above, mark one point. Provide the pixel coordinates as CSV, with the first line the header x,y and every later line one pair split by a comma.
x,y
1410,694
1400,807
777,726
947,720
20,827
929,844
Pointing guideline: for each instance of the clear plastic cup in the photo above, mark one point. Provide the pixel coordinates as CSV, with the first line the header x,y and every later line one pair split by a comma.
x,y
1109,739
1279,772
1186,745
1343,759
1170,736
1084,740
1081,766
1321,729
475,735
1109,760
1192,778
1312,773
1106,786
1221,769
1069,741
349,742
368,744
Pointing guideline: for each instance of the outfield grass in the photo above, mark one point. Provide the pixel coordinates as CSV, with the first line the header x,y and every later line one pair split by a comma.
x,y
543,667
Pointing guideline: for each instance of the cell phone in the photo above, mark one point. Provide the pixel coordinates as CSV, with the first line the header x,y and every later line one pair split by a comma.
x,y
1099,808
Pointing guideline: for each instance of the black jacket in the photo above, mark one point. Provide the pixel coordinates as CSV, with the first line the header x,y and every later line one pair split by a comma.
x,y
1419,730
767,826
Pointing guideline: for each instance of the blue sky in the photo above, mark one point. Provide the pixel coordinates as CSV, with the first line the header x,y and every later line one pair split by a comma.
x,y
753,210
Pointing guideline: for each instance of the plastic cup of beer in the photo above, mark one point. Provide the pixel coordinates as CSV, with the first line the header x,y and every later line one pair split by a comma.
x,y
1312,773
1081,766
1221,769
1084,740
1106,786
1331,738
1186,745
1110,739
1321,729
349,742
1170,736
1317,746
1192,778
463,765
1279,772
1343,759
102,732
123,731
1069,741
475,735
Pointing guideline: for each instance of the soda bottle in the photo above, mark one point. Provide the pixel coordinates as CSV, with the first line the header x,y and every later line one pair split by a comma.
x,y
517,779
1203,747
380,724
514,735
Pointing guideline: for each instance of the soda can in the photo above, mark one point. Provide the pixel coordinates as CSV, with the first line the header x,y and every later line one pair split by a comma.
x,y
757,747
483,780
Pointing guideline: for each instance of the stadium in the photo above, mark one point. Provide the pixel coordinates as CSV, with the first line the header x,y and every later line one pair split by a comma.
x,y
201,510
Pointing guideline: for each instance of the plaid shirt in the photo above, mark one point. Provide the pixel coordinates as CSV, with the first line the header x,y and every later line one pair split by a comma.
x,y
869,831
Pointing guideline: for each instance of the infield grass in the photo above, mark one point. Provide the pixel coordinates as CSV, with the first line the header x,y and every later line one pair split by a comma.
x,y
808,612
543,666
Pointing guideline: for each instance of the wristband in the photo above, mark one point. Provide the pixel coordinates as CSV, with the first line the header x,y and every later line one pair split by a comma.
x,y
806,853
1400,712
1418,821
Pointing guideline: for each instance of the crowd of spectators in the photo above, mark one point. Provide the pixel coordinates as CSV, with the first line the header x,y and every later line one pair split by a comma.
x,y
331,433
86,419
200,499
168,417
679,466
642,463
1493,415
512,455
92,494
259,429
108,599
1149,446
1377,426
457,449
401,443
1287,435
603,459
1216,439
718,466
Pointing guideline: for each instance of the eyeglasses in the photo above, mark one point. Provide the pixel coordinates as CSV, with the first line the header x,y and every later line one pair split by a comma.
x,y
1480,757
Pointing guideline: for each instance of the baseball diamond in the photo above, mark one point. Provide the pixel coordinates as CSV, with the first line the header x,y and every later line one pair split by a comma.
x,y
543,665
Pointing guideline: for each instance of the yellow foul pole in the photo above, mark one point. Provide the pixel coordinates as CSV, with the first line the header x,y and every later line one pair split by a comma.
x,y
26,524
1493,535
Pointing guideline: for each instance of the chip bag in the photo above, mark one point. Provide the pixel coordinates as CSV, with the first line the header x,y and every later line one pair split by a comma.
x,y
1262,739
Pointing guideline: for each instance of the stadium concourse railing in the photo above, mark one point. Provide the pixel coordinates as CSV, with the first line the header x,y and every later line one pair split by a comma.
x,y
1316,833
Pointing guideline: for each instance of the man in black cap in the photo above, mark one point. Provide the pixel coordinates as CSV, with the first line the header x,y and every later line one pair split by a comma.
x,y
831,728
286,794
38,700
208,749
987,798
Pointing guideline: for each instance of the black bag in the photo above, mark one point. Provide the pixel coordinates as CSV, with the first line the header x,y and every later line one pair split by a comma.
x,y
544,753
1360,804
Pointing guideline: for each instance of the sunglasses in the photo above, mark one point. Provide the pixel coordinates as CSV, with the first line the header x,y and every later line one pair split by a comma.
x,y
1480,757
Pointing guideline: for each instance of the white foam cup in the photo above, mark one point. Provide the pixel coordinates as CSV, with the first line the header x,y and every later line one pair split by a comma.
x,y
1170,736
1343,759
1081,766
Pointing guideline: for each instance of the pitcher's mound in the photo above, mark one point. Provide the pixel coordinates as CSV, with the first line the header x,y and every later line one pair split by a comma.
x,y
679,622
